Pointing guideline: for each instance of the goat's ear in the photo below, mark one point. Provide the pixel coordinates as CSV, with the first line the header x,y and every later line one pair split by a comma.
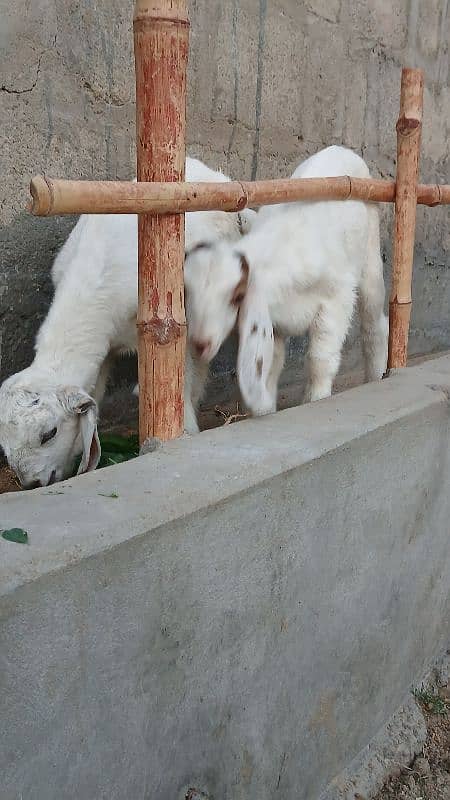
x,y
255,354
77,401
91,443
240,289
25,397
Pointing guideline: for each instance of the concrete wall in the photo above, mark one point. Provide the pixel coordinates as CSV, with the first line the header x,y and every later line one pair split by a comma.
x,y
245,629
271,81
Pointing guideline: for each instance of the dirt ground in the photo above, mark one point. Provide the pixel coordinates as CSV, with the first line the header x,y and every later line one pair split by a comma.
x,y
428,777
8,481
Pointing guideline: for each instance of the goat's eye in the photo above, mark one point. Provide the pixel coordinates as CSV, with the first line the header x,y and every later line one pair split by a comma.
x,y
49,435
237,299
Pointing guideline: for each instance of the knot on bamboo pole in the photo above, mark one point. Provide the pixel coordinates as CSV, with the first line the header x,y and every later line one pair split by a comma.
x,y
243,200
162,330
350,187
436,196
42,198
407,125
149,11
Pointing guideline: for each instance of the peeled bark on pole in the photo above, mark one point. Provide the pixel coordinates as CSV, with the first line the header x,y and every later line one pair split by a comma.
x,y
409,127
161,42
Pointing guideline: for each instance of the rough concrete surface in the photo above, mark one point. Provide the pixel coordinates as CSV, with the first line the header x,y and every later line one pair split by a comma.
x,y
427,776
270,82
394,746
244,628
398,747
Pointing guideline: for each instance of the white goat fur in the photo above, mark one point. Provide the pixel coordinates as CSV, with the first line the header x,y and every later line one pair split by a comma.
x,y
298,269
92,317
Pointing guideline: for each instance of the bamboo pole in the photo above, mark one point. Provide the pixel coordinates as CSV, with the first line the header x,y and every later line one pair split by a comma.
x,y
161,42
409,127
53,196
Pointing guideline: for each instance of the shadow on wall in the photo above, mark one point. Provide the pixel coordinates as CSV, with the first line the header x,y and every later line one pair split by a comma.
x,y
26,289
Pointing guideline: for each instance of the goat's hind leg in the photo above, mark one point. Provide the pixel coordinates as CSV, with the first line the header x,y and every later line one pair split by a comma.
x,y
371,295
327,335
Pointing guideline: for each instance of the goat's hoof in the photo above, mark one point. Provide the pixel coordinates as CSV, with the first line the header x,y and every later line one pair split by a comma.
x,y
149,446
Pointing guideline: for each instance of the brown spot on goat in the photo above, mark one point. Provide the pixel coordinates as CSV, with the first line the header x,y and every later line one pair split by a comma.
x,y
254,328
199,246
259,367
241,287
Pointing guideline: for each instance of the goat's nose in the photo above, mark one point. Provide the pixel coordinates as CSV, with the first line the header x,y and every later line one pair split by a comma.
x,y
202,347
31,485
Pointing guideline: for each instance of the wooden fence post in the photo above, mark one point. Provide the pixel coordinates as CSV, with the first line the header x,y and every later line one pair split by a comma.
x,y
409,127
161,42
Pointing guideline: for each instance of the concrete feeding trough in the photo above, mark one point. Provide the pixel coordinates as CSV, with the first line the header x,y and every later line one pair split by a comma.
x,y
238,629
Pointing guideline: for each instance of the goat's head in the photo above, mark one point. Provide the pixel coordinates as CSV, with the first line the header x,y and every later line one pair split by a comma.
x,y
216,279
44,428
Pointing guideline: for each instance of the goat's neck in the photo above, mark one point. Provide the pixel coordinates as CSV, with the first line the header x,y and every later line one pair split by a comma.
x,y
265,256
75,338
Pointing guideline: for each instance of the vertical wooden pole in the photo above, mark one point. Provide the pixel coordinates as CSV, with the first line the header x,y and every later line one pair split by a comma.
x,y
161,42
409,127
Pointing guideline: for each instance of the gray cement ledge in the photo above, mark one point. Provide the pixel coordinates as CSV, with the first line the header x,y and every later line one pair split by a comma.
x,y
243,618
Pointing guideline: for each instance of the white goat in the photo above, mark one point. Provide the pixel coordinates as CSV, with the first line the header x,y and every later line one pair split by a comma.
x,y
298,269
49,410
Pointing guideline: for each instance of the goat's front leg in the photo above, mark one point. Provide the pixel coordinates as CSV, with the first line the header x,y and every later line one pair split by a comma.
x,y
102,380
326,338
195,377
190,417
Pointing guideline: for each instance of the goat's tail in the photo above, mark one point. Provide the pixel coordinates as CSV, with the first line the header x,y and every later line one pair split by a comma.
x,y
374,324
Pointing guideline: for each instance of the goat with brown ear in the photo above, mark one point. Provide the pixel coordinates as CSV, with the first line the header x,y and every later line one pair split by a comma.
x,y
299,269
212,296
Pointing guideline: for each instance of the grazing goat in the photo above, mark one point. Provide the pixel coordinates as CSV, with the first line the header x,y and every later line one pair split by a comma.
x,y
49,410
298,269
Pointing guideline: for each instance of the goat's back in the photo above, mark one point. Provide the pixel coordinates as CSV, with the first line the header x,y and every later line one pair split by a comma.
x,y
332,162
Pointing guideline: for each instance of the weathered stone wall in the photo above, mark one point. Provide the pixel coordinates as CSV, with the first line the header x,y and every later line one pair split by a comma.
x,y
271,81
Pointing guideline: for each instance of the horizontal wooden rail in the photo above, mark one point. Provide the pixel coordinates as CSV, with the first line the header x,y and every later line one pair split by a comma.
x,y
53,196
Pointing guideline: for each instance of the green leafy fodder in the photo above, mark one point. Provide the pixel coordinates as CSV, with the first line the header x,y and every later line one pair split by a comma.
x,y
115,450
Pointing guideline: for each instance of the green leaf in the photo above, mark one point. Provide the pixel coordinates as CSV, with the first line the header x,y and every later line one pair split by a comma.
x,y
128,445
17,535
117,449
109,457
113,494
